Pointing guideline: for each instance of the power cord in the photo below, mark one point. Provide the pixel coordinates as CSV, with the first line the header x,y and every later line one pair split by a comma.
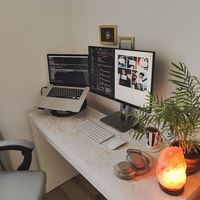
x,y
41,90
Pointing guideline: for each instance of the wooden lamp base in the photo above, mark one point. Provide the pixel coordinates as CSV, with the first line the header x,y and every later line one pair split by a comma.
x,y
173,192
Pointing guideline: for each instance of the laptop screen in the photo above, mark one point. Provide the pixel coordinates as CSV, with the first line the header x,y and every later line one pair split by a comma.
x,y
68,69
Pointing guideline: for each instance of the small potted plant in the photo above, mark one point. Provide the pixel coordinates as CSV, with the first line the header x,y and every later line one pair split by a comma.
x,y
177,117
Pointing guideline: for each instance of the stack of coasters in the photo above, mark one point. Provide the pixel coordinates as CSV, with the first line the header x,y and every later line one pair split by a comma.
x,y
141,161
136,160
124,170
138,163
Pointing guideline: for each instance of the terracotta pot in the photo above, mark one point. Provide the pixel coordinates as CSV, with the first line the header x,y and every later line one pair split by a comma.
x,y
192,161
193,165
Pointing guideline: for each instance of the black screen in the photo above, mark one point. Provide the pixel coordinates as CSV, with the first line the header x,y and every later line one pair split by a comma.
x,y
69,70
101,70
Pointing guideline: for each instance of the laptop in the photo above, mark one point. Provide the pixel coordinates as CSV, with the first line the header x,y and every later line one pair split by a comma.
x,y
69,81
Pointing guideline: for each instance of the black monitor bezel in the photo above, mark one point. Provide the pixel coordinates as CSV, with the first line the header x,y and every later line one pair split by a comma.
x,y
72,55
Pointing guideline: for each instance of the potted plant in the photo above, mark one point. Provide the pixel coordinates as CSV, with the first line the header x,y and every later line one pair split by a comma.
x,y
178,116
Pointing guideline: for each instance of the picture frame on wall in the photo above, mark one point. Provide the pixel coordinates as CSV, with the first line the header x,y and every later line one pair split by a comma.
x,y
108,34
126,42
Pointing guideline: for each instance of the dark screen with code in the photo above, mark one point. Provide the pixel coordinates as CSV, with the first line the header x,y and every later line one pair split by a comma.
x,y
101,70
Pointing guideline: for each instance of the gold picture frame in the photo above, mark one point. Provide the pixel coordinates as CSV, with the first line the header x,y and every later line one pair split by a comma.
x,y
108,34
126,42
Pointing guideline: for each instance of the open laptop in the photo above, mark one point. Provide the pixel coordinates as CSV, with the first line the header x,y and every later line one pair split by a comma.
x,y
68,88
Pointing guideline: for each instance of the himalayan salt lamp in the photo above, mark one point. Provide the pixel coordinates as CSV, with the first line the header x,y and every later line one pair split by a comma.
x,y
171,170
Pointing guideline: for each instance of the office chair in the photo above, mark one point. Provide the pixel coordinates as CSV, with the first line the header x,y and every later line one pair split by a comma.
x,y
21,184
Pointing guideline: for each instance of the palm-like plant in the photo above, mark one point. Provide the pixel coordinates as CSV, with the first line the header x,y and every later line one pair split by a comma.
x,y
178,116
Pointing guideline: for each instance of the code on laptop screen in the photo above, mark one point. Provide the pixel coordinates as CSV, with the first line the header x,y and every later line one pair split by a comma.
x,y
68,70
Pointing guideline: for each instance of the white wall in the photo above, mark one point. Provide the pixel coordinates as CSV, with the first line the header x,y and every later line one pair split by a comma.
x,y
29,30
170,28
32,28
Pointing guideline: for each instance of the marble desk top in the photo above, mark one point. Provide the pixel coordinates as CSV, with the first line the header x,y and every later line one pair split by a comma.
x,y
96,161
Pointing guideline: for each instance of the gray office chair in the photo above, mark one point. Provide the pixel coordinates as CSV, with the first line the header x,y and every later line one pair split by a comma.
x,y
21,184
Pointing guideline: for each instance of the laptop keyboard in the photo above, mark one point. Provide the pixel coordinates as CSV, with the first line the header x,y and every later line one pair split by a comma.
x,y
68,93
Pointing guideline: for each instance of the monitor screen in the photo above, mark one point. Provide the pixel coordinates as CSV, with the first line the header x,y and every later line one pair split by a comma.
x,y
101,70
133,76
121,75
69,70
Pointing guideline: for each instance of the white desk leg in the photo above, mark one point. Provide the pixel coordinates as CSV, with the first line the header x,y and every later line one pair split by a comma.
x,y
58,170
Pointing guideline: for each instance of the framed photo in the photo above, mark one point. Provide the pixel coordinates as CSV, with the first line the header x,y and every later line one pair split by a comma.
x,y
127,43
108,34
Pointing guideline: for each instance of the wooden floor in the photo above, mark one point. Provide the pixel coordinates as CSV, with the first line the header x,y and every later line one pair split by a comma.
x,y
78,188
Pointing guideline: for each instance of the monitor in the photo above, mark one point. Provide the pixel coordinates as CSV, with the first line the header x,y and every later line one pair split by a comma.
x,y
68,69
125,76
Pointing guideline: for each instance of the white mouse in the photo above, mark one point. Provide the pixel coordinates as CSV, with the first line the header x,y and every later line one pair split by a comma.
x,y
116,142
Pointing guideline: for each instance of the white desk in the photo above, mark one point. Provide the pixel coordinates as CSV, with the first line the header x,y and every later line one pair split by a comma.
x,y
95,161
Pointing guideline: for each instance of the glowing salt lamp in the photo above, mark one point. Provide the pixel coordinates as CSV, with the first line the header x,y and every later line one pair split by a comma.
x,y
171,170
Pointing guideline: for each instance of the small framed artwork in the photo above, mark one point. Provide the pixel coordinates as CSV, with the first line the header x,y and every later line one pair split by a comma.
x,y
108,34
127,43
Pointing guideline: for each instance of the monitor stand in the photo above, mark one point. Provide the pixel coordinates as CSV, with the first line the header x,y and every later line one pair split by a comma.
x,y
119,120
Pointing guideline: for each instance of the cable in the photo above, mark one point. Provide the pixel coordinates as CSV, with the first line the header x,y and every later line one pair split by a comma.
x,y
41,90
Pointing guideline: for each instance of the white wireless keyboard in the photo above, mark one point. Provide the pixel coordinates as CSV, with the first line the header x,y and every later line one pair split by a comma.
x,y
94,131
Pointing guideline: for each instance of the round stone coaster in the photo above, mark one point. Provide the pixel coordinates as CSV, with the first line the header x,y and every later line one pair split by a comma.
x,y
136,159
124,170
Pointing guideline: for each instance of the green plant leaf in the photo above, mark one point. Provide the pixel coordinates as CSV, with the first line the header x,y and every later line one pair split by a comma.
x,y
178,116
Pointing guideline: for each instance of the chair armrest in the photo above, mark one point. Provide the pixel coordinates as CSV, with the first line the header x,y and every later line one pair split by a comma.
x,y
26,147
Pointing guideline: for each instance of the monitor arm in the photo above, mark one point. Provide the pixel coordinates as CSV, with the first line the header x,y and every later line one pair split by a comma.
x,y
26,147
